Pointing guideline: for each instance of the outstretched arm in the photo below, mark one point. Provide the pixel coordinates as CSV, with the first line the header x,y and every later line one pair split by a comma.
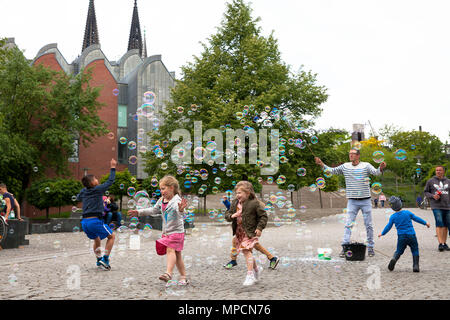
x,y
388,226
376,172
112,177
418,219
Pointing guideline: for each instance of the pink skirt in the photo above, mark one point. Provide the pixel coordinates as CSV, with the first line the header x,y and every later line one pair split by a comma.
x,y
243,242
174,241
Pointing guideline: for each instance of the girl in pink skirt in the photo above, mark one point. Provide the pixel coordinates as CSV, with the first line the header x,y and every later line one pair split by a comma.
x,y
171,206
248,219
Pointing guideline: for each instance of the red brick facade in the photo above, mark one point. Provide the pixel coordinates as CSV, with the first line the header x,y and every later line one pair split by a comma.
x,y
95,158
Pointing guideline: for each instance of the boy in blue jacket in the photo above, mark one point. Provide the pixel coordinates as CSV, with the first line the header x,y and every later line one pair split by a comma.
x,y
92,222
405,232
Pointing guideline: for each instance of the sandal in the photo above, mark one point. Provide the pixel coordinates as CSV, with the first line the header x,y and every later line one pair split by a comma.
x,y
183,282
165,277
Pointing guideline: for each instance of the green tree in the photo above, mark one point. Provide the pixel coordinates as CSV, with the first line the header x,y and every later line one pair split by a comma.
x,y
49,193
238,82
43,113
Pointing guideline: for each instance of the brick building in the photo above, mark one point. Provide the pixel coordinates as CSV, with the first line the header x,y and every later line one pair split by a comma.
x,y
123,84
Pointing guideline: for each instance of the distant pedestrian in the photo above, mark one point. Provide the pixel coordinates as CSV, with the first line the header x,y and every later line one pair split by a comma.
x,y
356,175
437,191
375,202
419,201
382,199
112,213
12,207
405,232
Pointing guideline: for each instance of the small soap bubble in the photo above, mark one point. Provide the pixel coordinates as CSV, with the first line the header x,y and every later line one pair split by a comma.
x,y
378,156
376,188
301,172
281,179
400,154
133,160
131,191
132,145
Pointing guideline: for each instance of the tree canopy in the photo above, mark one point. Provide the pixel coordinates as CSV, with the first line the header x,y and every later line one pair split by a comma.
x,y
43,112
239,82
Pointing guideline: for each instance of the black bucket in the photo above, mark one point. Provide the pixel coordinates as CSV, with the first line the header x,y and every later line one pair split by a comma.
x,y
355,251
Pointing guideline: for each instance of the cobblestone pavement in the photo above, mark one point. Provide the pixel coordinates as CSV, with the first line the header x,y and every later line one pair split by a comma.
x,y
62,266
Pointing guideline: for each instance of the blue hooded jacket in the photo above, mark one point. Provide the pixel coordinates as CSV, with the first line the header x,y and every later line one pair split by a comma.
x,y
93,198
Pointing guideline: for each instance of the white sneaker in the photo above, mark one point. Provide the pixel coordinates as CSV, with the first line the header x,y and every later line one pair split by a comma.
x,y
258,273
250,280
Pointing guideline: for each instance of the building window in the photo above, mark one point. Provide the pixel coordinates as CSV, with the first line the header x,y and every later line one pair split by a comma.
x,y
122,148
123,116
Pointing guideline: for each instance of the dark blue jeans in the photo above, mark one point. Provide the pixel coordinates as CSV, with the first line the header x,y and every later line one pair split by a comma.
x,y
405,240
116,216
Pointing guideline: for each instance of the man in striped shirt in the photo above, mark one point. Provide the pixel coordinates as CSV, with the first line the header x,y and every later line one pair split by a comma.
x,y
357,184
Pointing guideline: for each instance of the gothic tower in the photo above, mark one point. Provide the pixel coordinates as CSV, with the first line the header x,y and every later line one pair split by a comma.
x,y
91,33
135,41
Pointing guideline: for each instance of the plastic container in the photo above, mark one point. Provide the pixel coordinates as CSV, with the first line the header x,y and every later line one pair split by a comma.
x,y
355,251
324,253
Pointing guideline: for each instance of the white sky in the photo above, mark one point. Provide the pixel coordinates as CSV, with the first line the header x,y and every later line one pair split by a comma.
x,y
382,60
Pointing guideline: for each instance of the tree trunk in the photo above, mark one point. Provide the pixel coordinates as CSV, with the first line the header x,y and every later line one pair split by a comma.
x,y
25,183
47,213
204,205
320,196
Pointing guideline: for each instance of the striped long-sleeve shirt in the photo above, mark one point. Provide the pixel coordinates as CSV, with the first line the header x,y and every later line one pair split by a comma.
x,y
357,179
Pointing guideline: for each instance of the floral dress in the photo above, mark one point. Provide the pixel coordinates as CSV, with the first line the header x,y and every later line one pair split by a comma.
x,y
242,240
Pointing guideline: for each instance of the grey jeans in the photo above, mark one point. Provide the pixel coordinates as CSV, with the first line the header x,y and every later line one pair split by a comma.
x,y
353,207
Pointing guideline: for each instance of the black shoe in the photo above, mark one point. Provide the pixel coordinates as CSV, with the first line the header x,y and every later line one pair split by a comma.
x,y
446,248
342,254
441,247
416,264
274,263
230,264
393,261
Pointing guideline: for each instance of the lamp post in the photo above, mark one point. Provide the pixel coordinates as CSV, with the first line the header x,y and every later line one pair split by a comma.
x,y
418,174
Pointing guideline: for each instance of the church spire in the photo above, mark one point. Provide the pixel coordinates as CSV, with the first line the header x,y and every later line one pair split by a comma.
x,y
91,33
135,41
144,49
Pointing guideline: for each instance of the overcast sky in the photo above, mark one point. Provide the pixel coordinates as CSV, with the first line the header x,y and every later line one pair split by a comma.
x,y
383,61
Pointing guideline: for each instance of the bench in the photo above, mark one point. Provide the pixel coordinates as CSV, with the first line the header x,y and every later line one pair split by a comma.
x,y
16,232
